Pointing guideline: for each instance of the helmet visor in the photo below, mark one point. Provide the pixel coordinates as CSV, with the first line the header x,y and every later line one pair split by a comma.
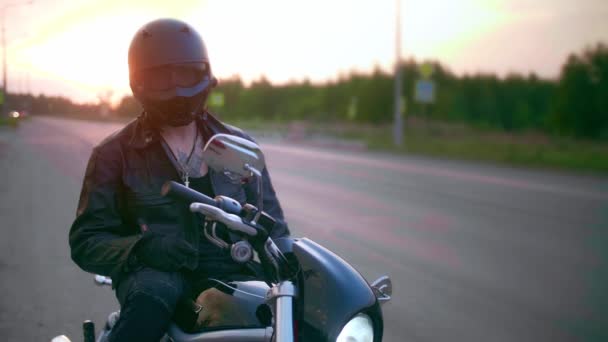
x,y
170,76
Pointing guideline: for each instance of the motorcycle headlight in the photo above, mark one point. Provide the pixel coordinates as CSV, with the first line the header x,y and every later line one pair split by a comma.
x,y
358,329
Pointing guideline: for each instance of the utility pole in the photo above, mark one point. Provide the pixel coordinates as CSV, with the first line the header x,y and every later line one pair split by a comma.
x,y
4,62
398,117
3,106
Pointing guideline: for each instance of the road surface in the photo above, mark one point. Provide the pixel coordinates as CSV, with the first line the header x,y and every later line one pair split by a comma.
x,y
476,252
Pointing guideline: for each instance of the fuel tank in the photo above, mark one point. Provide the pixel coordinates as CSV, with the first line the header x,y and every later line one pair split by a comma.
x,y
241,303
233,311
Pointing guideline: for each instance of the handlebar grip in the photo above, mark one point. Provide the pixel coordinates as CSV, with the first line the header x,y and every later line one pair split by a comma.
x,y
180,192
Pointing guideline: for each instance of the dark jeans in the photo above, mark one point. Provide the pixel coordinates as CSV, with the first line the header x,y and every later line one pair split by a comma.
x,y
148,299
151,299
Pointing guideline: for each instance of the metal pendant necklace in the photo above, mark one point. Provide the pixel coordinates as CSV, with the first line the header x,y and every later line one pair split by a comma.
x,y
184,168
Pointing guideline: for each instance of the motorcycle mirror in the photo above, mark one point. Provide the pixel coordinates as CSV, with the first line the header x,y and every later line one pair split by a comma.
x,y
235,157
383,289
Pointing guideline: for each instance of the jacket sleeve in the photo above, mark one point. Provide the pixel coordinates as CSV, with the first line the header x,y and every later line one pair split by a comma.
x,y
99,241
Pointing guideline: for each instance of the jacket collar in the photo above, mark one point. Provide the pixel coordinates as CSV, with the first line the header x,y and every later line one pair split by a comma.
x,y
145,134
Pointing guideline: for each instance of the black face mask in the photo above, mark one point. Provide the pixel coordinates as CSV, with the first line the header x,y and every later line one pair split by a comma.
x,y
176,111
175,120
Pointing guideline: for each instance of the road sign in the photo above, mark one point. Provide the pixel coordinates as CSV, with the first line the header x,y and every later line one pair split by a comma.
x,y
425,91
352,108
426,70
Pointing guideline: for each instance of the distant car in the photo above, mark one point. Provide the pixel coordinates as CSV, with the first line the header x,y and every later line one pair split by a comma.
x,y
17,114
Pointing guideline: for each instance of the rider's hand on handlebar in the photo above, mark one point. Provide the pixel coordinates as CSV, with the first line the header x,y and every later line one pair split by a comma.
x,y
165,253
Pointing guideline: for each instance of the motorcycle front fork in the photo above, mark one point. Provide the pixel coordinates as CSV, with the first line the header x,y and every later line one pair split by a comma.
x,y
280,297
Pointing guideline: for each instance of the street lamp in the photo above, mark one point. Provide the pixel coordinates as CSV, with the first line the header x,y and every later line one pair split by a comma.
x,y
3,15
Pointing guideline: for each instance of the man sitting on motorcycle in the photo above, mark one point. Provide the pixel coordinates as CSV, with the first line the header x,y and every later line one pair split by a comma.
x,y
150,245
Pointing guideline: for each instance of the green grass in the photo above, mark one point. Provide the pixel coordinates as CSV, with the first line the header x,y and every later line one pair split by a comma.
x,y
569,155
4,121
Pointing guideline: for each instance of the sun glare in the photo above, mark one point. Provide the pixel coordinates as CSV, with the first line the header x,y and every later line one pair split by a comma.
x,y
91,53
436,28
87,47
280,39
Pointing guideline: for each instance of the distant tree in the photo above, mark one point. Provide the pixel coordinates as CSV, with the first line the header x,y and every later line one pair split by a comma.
x,y
575,105
581,102
232,89
128,107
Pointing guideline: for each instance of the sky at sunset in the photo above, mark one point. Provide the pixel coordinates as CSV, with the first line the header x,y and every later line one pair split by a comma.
x,y
78,48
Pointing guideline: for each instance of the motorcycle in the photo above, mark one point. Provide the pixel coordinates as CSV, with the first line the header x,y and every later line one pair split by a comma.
x,y
306,292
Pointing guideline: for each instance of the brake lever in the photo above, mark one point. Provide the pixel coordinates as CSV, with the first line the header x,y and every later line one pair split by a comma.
x,y
233,222
213,238
241,251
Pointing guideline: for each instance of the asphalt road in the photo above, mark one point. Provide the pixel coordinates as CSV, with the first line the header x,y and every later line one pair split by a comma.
x,y
476,252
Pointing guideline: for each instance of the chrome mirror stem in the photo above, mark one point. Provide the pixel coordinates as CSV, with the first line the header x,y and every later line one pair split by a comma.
x,y
260,203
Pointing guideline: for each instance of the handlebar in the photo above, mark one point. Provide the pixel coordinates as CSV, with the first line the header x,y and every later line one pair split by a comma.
x,y
233,222
181,192
221,209
237,219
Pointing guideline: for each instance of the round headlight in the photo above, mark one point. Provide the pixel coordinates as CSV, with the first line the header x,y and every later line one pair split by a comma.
x,y
358,329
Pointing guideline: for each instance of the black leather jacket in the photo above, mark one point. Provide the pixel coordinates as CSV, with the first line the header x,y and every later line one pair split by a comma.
x,y
120,197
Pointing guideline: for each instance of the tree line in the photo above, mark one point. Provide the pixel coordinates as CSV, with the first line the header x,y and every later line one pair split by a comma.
x,y
575,104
